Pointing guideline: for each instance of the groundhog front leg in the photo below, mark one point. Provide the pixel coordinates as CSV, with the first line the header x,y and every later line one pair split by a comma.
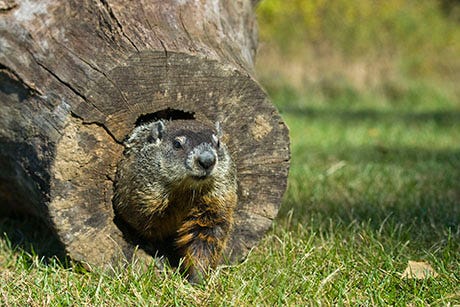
x,y
203,237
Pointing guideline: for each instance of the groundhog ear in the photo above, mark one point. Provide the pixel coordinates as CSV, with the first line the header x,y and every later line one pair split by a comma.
x,y
152,133
157,131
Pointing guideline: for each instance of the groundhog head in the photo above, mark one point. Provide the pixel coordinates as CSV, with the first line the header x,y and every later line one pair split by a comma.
x,y
181,150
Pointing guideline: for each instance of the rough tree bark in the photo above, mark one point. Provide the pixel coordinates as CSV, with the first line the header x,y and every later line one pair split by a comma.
x,y
76,76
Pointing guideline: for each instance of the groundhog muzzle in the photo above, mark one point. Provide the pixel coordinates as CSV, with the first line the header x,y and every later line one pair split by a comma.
x,y
177,182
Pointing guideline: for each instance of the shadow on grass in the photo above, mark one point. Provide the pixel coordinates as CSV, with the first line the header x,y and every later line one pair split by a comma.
x,y
30,235
424,222
417,189
383,154
441,118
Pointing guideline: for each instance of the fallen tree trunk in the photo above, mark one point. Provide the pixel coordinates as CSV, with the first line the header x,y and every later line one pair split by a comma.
x,y
76,77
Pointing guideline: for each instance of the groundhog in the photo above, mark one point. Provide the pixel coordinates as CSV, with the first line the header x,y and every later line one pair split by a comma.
x,y
177,183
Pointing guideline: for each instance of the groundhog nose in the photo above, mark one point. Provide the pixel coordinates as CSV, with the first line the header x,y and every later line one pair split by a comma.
x,y
206,160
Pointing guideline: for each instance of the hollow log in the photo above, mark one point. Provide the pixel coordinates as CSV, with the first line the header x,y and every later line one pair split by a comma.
x,y
76,77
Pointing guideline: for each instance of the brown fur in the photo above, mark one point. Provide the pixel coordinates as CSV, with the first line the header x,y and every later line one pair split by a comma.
x,y
196,214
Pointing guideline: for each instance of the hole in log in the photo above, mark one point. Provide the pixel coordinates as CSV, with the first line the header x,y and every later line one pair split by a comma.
x,y
167,114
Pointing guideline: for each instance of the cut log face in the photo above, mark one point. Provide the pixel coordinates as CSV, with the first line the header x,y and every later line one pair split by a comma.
x,y
76,78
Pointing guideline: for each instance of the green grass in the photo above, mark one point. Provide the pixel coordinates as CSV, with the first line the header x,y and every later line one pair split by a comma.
x,y
374,183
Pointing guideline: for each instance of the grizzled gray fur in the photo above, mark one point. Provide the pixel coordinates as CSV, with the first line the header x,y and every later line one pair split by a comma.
x,y
177,182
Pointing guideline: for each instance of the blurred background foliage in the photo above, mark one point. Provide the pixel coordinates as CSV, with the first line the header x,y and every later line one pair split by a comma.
x,y
396,49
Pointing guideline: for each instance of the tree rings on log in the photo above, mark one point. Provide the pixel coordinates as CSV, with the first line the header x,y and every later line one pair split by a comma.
x,y
175,85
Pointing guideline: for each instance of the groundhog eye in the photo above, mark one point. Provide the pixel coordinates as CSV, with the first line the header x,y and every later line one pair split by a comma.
x,y
178,142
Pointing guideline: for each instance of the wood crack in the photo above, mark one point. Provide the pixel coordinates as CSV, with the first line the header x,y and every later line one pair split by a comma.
x,y
151,29
117,22
164,48
66,84
99,124
184,27
33,90
154,32
95,68
76,92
